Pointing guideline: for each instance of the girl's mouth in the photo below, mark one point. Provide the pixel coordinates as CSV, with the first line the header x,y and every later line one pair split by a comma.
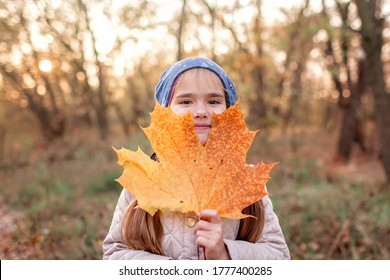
x,y
202,127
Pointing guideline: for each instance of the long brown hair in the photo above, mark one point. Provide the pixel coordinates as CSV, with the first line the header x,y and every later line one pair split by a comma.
x,y
141,231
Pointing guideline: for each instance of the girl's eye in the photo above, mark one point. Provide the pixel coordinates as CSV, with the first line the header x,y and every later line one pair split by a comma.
x,y
214,102
185,102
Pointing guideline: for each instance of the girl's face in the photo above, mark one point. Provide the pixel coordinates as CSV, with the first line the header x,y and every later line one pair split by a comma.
x,y
201,92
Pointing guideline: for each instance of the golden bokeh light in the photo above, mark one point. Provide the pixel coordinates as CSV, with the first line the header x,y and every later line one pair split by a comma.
x,y
45,65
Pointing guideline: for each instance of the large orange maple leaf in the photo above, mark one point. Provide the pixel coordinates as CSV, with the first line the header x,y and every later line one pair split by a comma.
x,y
190,177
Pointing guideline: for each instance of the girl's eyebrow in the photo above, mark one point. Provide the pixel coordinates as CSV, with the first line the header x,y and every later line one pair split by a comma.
x,y
216,94
184,94
189,94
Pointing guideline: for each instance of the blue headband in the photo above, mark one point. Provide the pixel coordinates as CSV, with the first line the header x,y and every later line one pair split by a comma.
x,y
168,78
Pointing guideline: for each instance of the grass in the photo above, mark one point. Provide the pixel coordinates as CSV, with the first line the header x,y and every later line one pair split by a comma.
x,y
62,202
65,206
327,210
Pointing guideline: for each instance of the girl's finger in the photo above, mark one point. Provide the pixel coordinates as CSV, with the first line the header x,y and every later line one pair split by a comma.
x,y
207,234
207,243
209,215
204,225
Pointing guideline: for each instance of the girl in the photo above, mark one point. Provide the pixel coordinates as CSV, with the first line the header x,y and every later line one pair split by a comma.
x,y
200,86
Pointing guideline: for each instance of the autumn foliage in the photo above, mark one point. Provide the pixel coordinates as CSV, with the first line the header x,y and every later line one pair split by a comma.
x,y
192,177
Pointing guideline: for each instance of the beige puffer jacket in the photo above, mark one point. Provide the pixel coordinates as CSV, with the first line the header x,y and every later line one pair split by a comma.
x,y
179,238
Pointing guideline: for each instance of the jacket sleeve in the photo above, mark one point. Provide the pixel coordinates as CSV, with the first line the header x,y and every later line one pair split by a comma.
x,y
113,247
270,246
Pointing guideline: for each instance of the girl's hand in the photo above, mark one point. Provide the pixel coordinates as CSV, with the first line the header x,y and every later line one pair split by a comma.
x,y
209,234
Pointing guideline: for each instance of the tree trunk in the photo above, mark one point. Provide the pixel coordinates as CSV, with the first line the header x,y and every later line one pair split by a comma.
x,y
351,132
348,130
350,106
52,123
2,143
101,105
371,32
180,31
122,118
257,105
213,31
296,89
292,48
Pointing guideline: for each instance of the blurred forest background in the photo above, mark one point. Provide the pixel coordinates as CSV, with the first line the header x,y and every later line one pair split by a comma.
x,y
77,77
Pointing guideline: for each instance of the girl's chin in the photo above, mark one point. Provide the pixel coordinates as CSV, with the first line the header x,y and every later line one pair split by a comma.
x,y
203,138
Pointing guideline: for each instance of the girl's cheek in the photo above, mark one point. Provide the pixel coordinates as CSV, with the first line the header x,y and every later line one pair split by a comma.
x,y
183,111
178,110
219,110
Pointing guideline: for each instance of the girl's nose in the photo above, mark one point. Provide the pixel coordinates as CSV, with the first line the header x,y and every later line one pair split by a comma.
x,y
200,111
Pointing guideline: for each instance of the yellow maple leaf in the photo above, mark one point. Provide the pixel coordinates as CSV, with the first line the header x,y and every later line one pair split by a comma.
x,y
190,177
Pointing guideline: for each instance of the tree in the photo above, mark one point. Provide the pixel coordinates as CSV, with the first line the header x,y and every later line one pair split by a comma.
x,y
79,88
250,50
350,91
372,42
33,85
293,43
180,31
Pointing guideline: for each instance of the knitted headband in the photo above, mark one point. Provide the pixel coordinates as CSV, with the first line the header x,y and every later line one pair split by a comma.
x,y
167,81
